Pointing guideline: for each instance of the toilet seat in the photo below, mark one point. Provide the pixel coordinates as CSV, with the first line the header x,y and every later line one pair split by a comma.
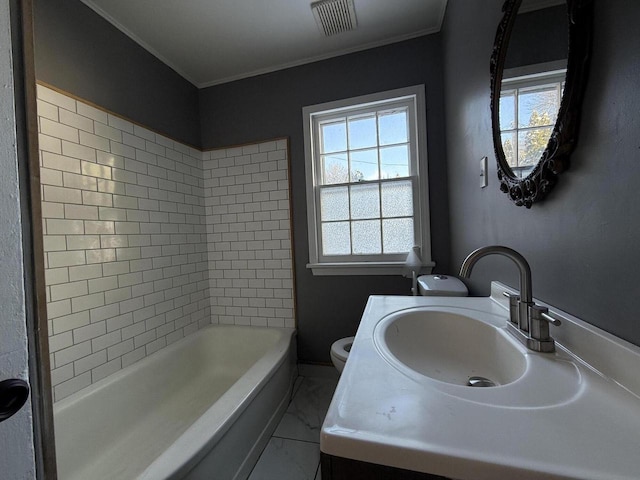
x,y
340,348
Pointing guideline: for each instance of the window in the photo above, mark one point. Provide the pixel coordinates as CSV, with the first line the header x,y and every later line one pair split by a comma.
x,y
528,110
366,183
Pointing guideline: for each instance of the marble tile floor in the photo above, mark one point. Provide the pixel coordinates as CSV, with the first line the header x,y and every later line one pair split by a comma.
x,y
293,452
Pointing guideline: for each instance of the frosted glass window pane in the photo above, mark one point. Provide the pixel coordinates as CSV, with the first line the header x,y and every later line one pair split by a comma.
x,y
397,235
334,137
364,165
392,126
365,201
507,110
394,161
366,237
336,238
334,204
531,144
397,199
362,132
335,168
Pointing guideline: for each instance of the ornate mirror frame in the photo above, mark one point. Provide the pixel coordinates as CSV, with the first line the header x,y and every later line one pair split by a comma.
x,y
555,158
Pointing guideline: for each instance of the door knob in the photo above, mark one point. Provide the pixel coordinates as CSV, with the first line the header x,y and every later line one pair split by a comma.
x,y
13,395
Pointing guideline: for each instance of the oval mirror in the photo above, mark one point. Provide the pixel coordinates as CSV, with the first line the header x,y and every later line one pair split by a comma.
x,y
538,75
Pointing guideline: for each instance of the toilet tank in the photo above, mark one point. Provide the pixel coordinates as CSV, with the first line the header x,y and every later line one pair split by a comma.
x,y
441,285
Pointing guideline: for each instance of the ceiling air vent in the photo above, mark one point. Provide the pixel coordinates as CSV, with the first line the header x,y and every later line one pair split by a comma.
x,y
334,16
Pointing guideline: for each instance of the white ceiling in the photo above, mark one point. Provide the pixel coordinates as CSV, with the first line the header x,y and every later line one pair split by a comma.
x,y
215,41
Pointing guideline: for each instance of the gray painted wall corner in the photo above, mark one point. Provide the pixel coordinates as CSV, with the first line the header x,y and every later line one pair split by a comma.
x,y
81,53
271,105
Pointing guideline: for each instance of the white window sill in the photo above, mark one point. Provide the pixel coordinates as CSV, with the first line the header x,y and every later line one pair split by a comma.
x,y
362,268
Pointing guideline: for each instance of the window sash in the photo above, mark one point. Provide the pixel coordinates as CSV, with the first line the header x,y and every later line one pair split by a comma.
x,y
379,217
344,116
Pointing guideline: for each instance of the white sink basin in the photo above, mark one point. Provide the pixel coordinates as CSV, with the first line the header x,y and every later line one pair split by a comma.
x,y
403,400
448,347
444,346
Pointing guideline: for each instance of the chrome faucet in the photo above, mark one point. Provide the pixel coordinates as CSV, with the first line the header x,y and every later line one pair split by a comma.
x,y
528,322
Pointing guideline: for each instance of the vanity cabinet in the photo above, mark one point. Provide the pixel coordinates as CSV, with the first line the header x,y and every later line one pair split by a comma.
x,y
339,468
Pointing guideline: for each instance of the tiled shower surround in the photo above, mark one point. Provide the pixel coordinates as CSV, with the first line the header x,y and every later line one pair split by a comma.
x,y
147,240
248,225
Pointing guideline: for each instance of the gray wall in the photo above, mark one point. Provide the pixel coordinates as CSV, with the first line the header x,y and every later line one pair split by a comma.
x,y
83,54
583,241
270,106
539,36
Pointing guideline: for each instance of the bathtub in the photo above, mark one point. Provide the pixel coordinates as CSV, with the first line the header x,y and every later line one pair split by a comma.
x,y
203,407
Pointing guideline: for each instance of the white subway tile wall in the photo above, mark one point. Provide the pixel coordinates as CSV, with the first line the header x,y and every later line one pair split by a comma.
x,y
249,235
147,240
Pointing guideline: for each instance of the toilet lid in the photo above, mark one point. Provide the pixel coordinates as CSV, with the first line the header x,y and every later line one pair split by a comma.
x,y
441,285
340,348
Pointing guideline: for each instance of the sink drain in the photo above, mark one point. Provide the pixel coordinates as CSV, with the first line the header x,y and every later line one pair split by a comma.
x,y
480,382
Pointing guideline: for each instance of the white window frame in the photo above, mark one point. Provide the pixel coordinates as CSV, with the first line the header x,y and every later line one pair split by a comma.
x,y
372,264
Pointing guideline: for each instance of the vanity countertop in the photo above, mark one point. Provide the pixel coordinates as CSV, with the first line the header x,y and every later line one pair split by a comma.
x,y
590,431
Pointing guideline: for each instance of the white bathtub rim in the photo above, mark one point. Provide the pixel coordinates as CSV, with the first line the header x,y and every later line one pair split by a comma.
x,y
195,442
167,351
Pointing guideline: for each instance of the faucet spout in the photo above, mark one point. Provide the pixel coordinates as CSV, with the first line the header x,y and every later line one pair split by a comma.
x,y
528,322
526,293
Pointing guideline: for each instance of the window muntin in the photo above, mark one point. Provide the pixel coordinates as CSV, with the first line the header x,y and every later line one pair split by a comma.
x,y
363,179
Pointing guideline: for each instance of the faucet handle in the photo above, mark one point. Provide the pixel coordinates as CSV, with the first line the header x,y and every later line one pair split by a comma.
x,y
550,319
542,313
539,322
514,302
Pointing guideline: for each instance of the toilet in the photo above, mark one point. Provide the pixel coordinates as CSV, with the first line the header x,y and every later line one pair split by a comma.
x,y
428,286
340,351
